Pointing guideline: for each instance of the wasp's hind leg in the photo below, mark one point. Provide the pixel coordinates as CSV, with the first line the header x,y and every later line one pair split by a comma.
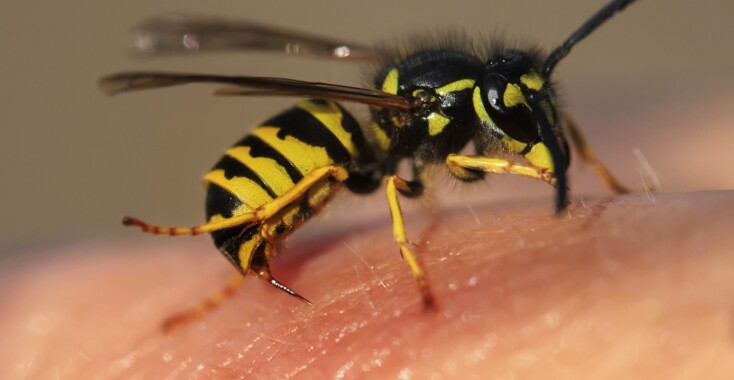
x,y
251,247
196,230
253,252
264,212
210,303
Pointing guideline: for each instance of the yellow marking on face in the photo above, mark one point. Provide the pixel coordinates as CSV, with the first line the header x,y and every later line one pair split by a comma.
x,y
390,84
540,157
480,110
459,85
532,80
513,96
381,138
304,156
245,189
331,116
513,145
436,123
274,175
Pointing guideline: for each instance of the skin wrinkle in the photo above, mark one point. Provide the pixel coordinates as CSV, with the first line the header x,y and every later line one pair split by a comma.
x,y
532,296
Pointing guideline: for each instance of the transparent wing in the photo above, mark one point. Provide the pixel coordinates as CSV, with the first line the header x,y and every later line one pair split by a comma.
x,y
177,33
249,86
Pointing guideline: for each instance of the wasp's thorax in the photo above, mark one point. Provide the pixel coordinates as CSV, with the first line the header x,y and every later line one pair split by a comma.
x,y
457,99
439,82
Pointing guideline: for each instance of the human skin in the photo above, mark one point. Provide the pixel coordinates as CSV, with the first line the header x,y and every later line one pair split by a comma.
x,y
638,286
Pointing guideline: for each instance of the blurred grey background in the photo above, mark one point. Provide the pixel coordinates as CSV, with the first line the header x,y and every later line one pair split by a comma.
x,y
658,79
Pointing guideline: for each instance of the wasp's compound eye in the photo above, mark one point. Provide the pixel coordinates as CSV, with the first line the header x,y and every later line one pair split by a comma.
x,y
493,89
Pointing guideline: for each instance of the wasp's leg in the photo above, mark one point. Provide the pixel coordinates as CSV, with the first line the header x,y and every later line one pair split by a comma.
x,y
409,189
469,167
262,213
299,190
245,246
246,218
588,156
209,304
251,252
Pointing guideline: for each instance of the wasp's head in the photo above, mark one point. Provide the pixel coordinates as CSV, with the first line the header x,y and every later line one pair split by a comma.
x,y
516,103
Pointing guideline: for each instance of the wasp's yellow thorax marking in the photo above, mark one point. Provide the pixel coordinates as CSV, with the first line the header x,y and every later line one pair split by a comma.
x,y
436,123
513,145
459,85
304,156
532,80
274,175
390,84
480,110
331,117
540,157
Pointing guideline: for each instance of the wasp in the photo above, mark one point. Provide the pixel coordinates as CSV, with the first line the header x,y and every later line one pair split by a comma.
x,y
428,104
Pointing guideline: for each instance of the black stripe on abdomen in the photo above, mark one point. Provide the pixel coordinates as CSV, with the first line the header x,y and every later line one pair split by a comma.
x,y
303,126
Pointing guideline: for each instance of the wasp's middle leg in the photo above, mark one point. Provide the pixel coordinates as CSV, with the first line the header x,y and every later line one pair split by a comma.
x,y
411,189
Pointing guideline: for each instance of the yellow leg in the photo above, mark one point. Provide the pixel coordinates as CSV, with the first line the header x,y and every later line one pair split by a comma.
x,y
262,213
588,156
458,165
269,209
209,304
196,230
395,183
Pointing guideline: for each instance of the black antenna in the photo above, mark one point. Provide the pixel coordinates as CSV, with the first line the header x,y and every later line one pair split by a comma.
x,y
560,165
589,26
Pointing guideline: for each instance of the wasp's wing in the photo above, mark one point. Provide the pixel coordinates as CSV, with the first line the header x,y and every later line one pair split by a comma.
x,y
175,33
135,81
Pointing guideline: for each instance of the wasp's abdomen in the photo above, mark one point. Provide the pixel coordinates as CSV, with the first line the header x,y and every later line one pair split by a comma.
x,y
271,160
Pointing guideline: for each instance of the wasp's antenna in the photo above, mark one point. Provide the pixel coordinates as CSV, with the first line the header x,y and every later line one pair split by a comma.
x,y
589,26
560,165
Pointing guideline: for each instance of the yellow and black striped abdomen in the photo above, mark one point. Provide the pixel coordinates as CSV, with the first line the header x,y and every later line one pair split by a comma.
x,y
270,161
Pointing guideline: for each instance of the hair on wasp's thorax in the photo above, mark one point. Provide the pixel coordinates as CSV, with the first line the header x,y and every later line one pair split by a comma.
x,y
438,82
459,97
